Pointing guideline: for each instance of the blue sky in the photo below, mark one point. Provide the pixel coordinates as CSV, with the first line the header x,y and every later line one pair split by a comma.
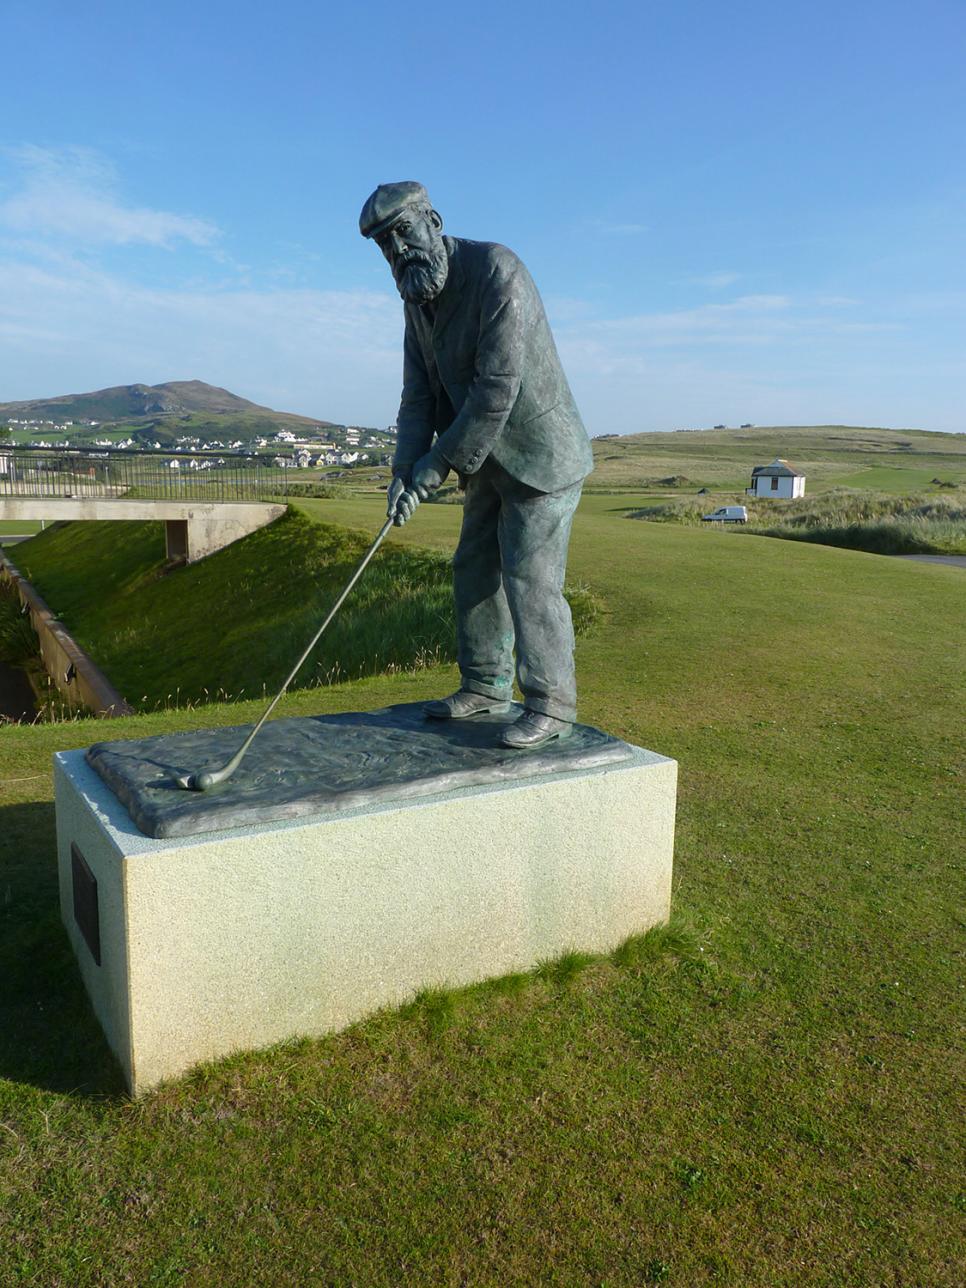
x,y
742,212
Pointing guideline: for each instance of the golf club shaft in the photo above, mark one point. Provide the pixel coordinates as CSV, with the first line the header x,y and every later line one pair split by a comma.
x,y
225,772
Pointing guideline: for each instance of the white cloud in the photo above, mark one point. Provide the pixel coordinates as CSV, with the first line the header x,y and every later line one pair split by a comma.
x,y
332,354
771,359
70,195
67,324
748,319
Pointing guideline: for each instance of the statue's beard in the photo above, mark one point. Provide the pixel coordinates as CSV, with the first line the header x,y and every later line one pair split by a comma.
x,y
421,275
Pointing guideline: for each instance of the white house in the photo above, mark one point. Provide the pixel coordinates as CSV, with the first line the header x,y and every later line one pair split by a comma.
x,y
777,480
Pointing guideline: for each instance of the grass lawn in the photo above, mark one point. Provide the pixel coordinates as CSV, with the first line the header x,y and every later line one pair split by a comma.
x,y
17,526
19,437
898,480
770,1095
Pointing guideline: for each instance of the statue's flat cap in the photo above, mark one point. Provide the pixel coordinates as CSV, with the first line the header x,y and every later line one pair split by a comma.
x,y
387,203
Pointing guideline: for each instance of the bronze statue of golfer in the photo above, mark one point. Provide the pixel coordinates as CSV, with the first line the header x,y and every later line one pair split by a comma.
x,y
484,394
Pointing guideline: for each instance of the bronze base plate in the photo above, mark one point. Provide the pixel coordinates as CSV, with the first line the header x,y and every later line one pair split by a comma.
x,y
315,765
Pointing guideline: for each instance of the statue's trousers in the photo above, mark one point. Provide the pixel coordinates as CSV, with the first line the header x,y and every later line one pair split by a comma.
x,y
508,576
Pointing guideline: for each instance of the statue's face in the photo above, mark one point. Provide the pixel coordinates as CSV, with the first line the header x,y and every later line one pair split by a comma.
x,y
416,253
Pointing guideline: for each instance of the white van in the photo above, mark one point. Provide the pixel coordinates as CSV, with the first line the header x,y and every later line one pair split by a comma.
x,y
727,514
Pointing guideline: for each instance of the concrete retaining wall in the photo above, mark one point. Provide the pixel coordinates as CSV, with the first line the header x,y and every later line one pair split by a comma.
x,y
82,684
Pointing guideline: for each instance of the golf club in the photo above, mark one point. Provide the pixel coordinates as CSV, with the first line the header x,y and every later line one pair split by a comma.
x,y
204,781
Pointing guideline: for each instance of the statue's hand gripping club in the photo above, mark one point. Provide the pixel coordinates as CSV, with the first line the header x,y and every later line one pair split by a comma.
x,y
401,501
426,476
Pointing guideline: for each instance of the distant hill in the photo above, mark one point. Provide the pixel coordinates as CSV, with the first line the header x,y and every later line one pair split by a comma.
x,y
122,402
189,413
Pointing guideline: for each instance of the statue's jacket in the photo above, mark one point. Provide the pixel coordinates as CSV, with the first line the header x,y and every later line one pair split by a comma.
x,y
485,378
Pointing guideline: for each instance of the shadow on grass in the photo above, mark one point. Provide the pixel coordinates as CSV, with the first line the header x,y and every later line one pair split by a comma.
x,y
49,1037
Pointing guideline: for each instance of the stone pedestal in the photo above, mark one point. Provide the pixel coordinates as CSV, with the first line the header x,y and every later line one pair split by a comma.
x,y
192,946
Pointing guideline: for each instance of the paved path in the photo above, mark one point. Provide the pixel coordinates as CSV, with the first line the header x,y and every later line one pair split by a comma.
x,y
956,561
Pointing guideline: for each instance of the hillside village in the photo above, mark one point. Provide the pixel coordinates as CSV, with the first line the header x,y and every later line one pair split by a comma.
x,y
362,447
191,417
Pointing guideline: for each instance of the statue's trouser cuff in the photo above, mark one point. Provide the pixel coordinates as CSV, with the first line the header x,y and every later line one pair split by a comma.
x,y
548,707
502,690
508,577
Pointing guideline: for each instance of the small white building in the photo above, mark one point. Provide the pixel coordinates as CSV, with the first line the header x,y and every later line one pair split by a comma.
x,y
779,479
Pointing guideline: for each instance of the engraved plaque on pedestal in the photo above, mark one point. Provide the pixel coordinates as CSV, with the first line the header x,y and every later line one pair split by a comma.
x,y
85,902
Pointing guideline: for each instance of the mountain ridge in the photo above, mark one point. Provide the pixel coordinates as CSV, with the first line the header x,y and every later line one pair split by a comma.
x,y
124,402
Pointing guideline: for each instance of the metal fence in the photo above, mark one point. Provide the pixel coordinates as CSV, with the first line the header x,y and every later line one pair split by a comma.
x,y
149,475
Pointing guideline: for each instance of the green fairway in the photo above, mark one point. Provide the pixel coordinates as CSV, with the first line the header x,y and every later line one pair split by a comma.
x,y
903,480
828,455
770,1095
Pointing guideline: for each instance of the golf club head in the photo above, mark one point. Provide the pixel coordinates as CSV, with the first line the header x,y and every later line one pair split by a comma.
x,y
202,782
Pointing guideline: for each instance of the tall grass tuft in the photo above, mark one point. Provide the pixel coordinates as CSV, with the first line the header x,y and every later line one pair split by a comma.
x,y
673,941
878,522
436,1007
447,496
18,640
888,536
562,971
317,491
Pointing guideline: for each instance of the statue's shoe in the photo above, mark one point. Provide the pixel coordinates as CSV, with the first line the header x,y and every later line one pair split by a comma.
x,y
533,729
463,704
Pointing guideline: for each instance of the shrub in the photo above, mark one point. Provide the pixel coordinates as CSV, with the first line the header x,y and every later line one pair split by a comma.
x,y
447,496
18,642
878,522
317,491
